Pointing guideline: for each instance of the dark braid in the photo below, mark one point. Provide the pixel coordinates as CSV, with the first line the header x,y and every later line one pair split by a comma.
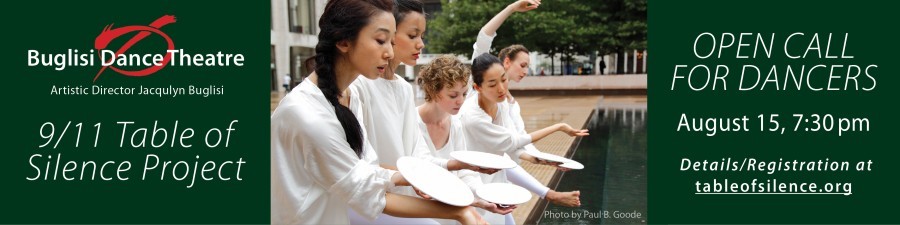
x,y
328,84
342,21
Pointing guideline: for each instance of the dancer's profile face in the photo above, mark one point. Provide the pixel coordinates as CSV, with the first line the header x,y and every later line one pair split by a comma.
x,y
370,52
408,42
493,87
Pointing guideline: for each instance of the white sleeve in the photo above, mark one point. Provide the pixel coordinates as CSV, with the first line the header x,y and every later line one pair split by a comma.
x,y
371,158
518,125
516,155
482,44
515,112
334,165
481,133
471,178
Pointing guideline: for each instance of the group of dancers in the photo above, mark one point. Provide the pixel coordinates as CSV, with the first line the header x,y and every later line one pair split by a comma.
x,y
336,138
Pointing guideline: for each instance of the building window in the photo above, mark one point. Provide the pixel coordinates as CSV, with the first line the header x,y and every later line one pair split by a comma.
x,y
302,16
299,70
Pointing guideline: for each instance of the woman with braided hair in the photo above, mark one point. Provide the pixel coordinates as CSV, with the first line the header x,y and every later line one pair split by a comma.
x,y
321,162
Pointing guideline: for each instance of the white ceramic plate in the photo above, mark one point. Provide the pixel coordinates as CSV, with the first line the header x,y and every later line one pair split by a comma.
x,y
484,160
548,157
566,162
572,164
435,181
503,193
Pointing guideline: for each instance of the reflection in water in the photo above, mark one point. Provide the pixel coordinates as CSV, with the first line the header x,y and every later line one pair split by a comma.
x,y
614,181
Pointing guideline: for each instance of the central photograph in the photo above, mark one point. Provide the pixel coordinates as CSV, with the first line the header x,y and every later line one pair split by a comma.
x,y
458,112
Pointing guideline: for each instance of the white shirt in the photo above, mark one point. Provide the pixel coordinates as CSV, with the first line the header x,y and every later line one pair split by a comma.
x,y
515,112
482,45
388,112
455,142
495,136
315,174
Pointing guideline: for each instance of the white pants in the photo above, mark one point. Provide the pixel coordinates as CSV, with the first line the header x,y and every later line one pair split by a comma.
x,y
519,176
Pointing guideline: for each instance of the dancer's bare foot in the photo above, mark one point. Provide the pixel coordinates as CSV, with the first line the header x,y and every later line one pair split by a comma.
x,y
567,199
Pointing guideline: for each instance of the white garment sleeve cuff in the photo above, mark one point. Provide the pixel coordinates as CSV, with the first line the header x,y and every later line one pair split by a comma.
x,y
363,190
482,44
442,162
522,140
517,154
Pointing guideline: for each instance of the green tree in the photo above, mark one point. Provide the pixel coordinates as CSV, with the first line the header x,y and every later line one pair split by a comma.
x,y
559,27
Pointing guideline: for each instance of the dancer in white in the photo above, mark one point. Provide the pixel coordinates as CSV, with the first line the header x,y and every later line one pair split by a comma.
x,y
387,103
387,107
321,163
444,83
515,66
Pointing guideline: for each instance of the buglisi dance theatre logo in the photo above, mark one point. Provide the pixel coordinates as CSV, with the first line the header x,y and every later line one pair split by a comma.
x,y
118,58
